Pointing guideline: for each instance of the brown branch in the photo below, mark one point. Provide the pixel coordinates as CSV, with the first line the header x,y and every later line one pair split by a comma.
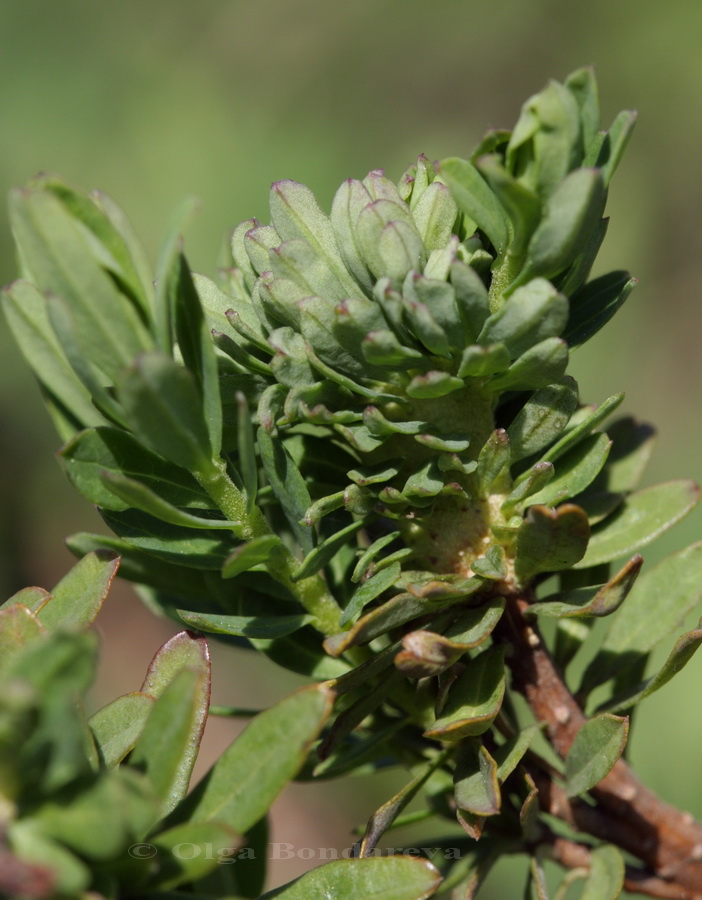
x,y
573,855
667,840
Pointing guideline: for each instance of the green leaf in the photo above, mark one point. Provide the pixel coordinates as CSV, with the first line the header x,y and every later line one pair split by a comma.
x,y
103,819
254,552
594,304
592,601
575,470
27,316
521,204
541,365
182,651
426,654
349,200
378,878
189,547
580,431
476,789
57,257
167,747
269,627
509,754
658,603
116,247
606,878
255,768
641,519
395,612
596,748
196,348
161,401
139,496
384,817
248,463
683,651
166,263
572,213
138,566
493,458
476,200
206,845
550,540
19,627
432,385
77,598
368,591
533,313
301,653
30,597
633,446
117,726
296,214
322,554
95,451
473,700
543,418
615,142
288,485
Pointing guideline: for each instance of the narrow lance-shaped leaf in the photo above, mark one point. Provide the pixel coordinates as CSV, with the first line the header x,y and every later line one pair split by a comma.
x,y
139,496
27,316
165,326
195,345
683,651
659,601
383,818
643,517
475,198
596,748
253,553
98,450
117,726
476,787
378,878
543,418
250,774
58,260
164,409
77,598
592,601
474,699
268,627
287,484
167,747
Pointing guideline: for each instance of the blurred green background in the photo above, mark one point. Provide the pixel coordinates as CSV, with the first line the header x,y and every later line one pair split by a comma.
x,y
152,101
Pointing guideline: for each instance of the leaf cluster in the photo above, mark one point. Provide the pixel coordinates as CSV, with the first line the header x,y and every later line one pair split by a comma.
x,y
359,452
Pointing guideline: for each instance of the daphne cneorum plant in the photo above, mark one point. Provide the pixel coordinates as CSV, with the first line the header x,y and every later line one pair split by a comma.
x,y
358,453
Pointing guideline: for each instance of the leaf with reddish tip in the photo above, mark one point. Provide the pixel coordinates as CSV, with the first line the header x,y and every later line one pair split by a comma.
x,y
183,650
592,601
255,768
77,598
19,626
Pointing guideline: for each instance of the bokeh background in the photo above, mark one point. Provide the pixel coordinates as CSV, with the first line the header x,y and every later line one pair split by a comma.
x,y
152,101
